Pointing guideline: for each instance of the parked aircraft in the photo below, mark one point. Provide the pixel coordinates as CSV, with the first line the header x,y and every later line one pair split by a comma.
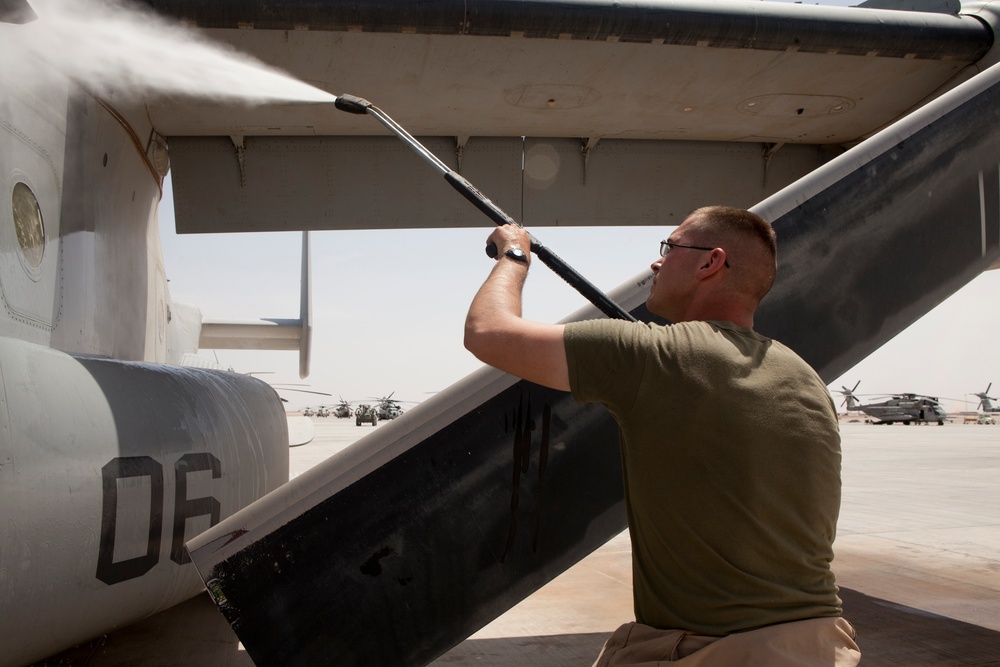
x,y
388,407
986,401
879,122
343,409
905,408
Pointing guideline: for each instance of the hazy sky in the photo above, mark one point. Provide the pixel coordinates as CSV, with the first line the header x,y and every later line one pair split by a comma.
x,y
389,307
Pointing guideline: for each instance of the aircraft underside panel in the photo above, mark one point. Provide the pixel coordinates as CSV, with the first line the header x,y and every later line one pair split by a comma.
x,y
106,468
659,70
294,183
441,521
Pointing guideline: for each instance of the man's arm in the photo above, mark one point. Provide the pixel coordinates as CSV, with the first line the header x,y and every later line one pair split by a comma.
x,y
496,333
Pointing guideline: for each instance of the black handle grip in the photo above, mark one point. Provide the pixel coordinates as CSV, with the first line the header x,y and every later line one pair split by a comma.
x,y
469,191
352,104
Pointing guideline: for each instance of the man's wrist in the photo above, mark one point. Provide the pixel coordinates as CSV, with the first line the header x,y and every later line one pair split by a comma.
x,y
516,254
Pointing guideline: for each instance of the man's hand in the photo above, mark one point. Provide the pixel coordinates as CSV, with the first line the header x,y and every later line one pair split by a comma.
x,y
505,237
495,331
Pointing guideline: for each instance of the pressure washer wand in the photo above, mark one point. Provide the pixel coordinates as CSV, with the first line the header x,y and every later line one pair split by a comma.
x,y
357,105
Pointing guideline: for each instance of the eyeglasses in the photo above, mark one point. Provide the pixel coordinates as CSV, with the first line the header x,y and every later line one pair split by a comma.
x,y
667,246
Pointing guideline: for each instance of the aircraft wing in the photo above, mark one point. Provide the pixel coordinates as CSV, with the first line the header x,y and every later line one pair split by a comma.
x,y
592,98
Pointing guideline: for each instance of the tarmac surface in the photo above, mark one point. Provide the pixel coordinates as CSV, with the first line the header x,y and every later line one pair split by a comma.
x,y
917,560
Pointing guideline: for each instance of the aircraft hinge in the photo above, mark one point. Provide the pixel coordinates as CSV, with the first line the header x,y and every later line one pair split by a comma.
x,y
585,147
241,151
460,142
769,151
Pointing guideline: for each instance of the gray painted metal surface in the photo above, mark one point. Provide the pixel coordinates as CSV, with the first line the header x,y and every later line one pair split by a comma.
x,y
465,507
106,468
377,183
638,100
722,71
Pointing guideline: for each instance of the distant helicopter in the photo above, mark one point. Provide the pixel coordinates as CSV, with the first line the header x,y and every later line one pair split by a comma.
x,y
343,409
388,408
323,411
985,401
904,408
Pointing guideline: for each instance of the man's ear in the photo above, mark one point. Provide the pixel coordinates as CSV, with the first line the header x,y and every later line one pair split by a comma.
x,y
716,262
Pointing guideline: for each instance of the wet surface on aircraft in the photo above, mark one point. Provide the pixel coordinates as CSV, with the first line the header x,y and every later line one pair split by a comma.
x,y
917,562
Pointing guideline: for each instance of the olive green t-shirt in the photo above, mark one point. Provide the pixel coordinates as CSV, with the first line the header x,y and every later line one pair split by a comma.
x,y
731,456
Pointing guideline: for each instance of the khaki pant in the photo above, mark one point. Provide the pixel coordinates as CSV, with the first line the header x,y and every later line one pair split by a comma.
x,y
816,642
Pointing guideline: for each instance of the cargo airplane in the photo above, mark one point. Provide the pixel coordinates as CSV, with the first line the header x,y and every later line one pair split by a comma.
x,y
868,135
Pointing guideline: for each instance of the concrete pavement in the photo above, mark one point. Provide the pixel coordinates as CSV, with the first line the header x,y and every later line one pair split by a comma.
x,y
918,562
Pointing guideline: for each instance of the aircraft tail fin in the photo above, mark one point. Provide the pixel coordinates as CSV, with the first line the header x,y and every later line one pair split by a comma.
x,y
268,333
850,400
985,400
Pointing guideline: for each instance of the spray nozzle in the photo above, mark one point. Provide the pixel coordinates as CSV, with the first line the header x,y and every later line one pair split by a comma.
x,y
352,104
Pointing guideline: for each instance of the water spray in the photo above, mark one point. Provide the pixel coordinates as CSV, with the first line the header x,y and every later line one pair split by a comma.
x,y
121,47
357,105
16,11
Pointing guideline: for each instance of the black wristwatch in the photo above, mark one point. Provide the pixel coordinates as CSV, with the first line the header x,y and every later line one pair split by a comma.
x,y
516,254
